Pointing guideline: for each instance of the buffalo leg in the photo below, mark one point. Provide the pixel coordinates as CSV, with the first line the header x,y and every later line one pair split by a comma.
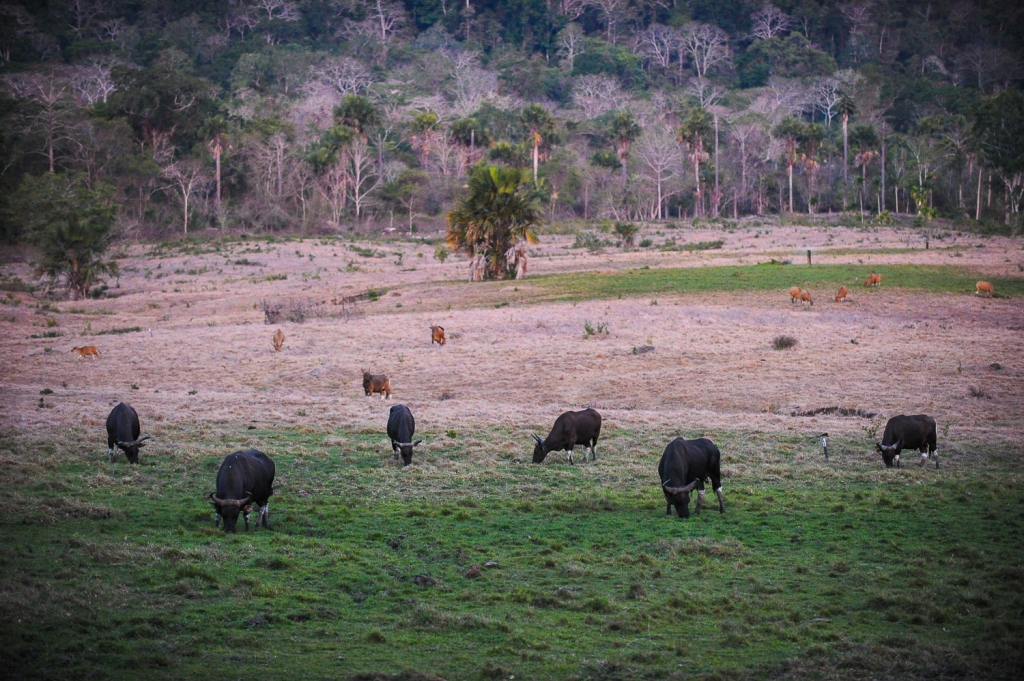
x,y
216,520
265,515
721,501
700,501
113,456
246,516
668,508
593,448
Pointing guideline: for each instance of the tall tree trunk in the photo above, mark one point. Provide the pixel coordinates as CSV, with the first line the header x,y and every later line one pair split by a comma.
x,y
883,175
716,167
216,161
846,156
536,147
977,210
791,209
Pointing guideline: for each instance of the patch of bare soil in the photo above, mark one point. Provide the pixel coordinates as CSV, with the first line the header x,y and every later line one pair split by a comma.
x,y
204,354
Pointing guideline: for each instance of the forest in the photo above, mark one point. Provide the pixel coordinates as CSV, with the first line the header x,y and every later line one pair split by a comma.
x,y
127,119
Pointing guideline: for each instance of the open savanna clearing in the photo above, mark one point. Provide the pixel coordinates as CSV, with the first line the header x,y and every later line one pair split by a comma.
x,y
473,562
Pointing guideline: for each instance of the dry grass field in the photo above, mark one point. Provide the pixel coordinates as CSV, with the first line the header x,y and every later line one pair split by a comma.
x,y
186,343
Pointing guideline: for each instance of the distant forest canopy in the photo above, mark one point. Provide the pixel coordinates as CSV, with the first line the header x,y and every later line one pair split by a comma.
x,y
324,115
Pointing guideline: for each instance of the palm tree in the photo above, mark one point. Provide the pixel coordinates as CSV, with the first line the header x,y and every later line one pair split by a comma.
x,y
845,108
424,127
694,130
215,131
539,122
625,131
498,212
469,132
357,113
790,131
866,141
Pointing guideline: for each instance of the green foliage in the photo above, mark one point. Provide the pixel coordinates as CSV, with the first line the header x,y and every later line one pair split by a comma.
x,y
999,130
791,57
626,230
498,211
358,113
441,253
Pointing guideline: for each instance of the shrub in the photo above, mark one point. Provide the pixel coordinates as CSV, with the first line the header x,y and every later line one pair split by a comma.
x,y
626,230
783,342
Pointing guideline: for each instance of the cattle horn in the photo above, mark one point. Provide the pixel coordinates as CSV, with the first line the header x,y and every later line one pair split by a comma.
x,y
232,502
539,441
133,442
416,443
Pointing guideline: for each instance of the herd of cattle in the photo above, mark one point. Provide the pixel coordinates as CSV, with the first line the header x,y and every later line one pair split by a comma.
x,y
245,479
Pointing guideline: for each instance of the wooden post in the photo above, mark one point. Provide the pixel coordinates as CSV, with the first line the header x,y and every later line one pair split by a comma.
x,y
824,443
808,256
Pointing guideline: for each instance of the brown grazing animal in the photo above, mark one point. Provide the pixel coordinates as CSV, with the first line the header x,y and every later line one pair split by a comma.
x,y
376,384
873,280
278,340
841,296
984,287
794,294
805,297
437,335
87,351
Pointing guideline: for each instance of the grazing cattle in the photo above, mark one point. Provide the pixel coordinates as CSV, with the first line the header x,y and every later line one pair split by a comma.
x,y
685,465
87,351
907,432
245,478
841,296
401,428
873,280
794,294
437,335
805,297
278,340
984,287
123,431
571,428
378,383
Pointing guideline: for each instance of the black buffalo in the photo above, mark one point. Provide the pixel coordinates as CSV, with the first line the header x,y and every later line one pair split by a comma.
x,y
244,479
907,432
123,431
571,428
685,465
401,428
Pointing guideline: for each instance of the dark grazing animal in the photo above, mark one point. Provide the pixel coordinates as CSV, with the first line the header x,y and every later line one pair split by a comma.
x,y
401,428
245,478
437,335
123,431
571,428
378,383
685,465
907,432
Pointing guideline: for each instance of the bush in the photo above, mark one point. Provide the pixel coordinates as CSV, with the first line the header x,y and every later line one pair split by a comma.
x,y
590,241
626,230
783,342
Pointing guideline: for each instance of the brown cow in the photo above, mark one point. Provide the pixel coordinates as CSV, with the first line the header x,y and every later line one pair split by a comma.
x,y
794,294
376,384
278,340
873,280
984,287
805,297
437,335
841,296
87,351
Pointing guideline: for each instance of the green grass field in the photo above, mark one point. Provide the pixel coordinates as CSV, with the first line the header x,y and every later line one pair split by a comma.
x,y
819,569
765,277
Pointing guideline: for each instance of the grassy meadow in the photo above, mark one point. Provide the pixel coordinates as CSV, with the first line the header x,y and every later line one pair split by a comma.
x,y
475,563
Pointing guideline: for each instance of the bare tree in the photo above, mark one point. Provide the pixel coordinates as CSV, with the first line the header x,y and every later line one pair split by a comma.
x,y
596,94
705,92
359,161
858,15
344,75
282,10
573,9
770,21
570,43
829,93
612,11
659,152
93,83
50,110
657,43
187,179
83,12
706,44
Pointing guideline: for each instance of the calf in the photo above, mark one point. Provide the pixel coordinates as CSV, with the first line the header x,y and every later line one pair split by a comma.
x,y
907,432
794,294
570,429
805,297
87,351
693,461
401,428
841,296
437,335
376,383
123,431
984,287
245,478
873,280
278,340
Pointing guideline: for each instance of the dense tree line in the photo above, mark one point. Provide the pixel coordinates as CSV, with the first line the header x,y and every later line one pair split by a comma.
x,y
328,114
